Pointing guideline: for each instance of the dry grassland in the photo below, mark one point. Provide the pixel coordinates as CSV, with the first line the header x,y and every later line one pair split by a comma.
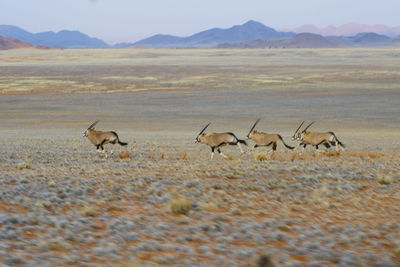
x,y
161,201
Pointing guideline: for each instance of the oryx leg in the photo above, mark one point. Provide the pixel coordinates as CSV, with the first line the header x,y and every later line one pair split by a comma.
x,y
222,154
318,151
103,150
341,148
337,146
274,145
303,149
267,145
212,152
240,147
327,145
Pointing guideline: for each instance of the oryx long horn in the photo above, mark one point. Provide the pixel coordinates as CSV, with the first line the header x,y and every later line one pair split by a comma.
x,y
299,127
93,124
254,126
305,129
204,129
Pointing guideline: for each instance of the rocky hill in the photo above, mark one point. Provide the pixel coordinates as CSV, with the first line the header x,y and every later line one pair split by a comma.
x,y
249,31
303,40
61,39
8,43
348,29
365,39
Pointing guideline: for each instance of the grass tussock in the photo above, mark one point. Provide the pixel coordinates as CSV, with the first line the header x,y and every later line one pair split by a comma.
x,y
55,245
367,155
332,154
384,179
24,165
88,211
374,155
259,156
181,206
125,155
151,156
210,207
264,261
320,197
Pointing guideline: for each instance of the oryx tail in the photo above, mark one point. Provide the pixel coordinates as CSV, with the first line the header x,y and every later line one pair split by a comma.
x,y
337,140
283,142
119,141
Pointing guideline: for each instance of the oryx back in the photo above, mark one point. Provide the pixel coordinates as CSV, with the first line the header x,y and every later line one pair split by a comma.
x,y
218,139
263,139
315,138
102,138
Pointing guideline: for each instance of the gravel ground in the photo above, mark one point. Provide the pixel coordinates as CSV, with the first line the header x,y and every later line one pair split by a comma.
x,y
167,203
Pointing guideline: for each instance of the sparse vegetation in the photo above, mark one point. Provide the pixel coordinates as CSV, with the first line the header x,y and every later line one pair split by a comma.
x,y
260,156
384,179
162,201
88,211
181,206
264,261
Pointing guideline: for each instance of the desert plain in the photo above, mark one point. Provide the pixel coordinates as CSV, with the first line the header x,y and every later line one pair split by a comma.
x,y
161,200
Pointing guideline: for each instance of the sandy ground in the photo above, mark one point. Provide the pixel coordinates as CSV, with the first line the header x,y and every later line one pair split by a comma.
x,y
162,201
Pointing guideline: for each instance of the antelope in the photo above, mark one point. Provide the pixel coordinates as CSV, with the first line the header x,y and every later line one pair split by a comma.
x,y
265,139
217,140
99,138
327,139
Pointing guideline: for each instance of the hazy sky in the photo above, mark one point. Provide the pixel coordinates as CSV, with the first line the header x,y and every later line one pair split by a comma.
x,y
132,20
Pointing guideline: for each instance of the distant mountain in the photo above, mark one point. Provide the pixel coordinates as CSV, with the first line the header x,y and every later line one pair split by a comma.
x,y
349,29
365,39
302,40
251,34
310,40
249,31
61,39
8,43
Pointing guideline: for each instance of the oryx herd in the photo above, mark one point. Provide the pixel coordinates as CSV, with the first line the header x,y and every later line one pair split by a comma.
x,y
218,140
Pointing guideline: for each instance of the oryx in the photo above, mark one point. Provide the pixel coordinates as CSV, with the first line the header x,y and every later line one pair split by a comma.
x,y
217,140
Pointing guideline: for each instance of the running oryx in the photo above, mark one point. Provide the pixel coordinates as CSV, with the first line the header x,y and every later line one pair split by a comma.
x,y
327,139
265,139
217,140
99,138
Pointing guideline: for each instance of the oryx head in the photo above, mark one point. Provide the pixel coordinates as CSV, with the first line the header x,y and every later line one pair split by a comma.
x,y
85,134
201,133
297,134
252,128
